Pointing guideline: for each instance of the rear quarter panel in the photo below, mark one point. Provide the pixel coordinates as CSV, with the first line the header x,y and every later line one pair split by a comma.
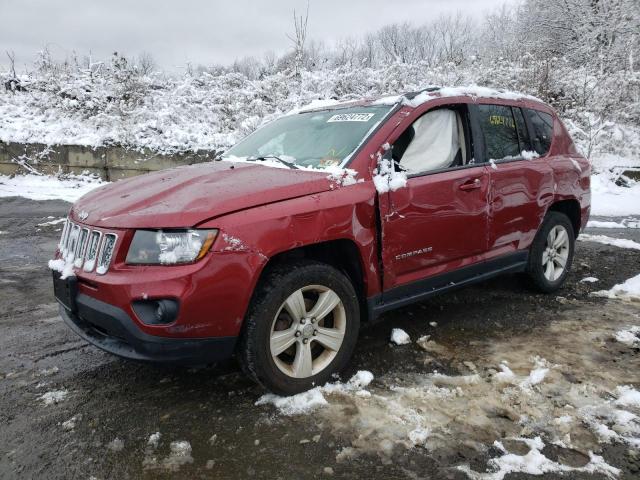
x,y
571,171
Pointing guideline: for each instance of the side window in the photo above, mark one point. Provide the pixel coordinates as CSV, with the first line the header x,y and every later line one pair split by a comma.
x,y
521,127
500,133
434,141
542,130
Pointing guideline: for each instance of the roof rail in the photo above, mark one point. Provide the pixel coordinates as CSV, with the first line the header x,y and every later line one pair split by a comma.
x,y
412,95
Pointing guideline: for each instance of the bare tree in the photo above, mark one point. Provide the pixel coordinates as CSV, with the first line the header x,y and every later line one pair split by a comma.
x,y
455,37
13,84
146,63
299,39
346,52
368,50
12,62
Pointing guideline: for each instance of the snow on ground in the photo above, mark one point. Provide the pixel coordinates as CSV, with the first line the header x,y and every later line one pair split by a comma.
x,y
70,424
179,455
48,187
589,280
604,239
154,439
609,199
310,400
624,223
47,372
400,337
116,445
53,397
296,404
628,396
534,462
51,222
523,395
630,336
628,290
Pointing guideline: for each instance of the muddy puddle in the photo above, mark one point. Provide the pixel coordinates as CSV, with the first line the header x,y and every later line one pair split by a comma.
x,y
544,401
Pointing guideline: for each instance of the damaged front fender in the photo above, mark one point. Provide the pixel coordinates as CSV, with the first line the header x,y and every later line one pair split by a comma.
x,y
347,213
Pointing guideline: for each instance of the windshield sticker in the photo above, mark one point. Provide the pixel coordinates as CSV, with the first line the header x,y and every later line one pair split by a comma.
x,y
328,162
351,117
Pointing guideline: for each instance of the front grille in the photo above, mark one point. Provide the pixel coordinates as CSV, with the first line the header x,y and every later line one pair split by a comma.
x,y
106,253
82,246
87,248
92,250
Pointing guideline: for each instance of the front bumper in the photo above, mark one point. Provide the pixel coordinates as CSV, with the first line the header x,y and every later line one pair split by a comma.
x,y
111,329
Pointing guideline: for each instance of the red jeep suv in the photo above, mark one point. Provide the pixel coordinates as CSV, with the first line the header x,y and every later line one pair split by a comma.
x,y
318,222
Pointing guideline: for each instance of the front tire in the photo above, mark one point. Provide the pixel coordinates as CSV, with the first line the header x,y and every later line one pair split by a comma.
x,y
301,327
551,253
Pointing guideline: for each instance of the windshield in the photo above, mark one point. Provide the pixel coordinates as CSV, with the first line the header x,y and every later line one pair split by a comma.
x,y
313,139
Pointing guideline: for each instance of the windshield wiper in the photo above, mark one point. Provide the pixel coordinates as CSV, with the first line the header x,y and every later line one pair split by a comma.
x,y
266,157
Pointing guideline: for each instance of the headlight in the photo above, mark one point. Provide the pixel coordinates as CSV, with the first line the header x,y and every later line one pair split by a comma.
x,y
169,247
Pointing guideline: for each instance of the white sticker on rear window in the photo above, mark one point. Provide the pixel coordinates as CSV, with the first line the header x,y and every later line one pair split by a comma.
x,y
351,117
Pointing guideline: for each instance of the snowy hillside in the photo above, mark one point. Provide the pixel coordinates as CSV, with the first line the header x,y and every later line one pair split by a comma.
x,y
205,111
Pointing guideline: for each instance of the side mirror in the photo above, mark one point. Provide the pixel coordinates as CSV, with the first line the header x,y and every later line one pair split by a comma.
x,y
388,154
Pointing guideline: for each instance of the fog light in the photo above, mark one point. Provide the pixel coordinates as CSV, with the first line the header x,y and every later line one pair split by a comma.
x,y
156,312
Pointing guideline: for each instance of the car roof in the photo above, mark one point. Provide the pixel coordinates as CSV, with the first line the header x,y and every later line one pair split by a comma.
x,y
414,99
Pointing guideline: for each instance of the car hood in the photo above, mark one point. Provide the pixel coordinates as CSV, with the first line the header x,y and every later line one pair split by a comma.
x,y
187,196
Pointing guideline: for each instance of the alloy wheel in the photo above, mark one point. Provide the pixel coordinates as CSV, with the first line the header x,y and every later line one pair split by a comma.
x,y
307,331
556,253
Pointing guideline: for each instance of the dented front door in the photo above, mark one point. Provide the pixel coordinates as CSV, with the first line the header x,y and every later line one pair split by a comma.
x,y
437,223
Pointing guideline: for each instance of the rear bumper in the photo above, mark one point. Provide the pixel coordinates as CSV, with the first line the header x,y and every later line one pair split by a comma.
x,y
111,329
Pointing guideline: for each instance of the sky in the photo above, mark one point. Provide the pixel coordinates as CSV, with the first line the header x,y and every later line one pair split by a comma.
x,y
196,31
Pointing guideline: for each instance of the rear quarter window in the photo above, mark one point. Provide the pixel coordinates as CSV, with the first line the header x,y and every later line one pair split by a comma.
x,y
500,133
521,126
541,130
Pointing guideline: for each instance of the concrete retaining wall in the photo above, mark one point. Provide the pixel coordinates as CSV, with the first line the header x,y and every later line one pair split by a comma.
x,y
110,163
114,163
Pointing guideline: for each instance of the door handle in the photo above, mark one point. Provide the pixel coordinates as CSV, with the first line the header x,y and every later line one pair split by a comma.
x,y
471,185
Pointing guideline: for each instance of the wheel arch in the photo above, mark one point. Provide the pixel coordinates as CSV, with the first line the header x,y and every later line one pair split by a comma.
x,y
342,254
571,208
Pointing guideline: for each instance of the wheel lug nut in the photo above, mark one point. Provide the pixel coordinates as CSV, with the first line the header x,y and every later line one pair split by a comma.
x,y
297,334
303,320
306,340
315,332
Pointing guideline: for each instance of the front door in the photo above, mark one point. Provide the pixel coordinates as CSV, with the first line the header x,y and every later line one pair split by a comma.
x,y
439,221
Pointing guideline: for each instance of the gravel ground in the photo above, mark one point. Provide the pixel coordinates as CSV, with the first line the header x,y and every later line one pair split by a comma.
x,y
108,408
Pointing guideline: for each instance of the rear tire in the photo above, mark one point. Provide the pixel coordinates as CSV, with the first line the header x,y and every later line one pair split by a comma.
x,y
551,253
301,327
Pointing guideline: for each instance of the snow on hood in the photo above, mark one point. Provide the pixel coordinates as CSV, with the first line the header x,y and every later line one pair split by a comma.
x,y
187,196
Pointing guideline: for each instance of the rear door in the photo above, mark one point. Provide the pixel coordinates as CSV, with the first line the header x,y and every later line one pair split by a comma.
x,y
439,221
521,181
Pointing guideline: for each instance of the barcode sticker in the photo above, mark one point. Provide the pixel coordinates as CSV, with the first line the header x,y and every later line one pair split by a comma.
x,y
351,117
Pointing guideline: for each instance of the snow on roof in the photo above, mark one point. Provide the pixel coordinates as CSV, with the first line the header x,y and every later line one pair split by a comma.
x,y
415,99
318,104
470,91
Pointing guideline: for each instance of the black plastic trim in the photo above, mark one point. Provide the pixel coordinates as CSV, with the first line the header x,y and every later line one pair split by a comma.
x,y
429,287
112,330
